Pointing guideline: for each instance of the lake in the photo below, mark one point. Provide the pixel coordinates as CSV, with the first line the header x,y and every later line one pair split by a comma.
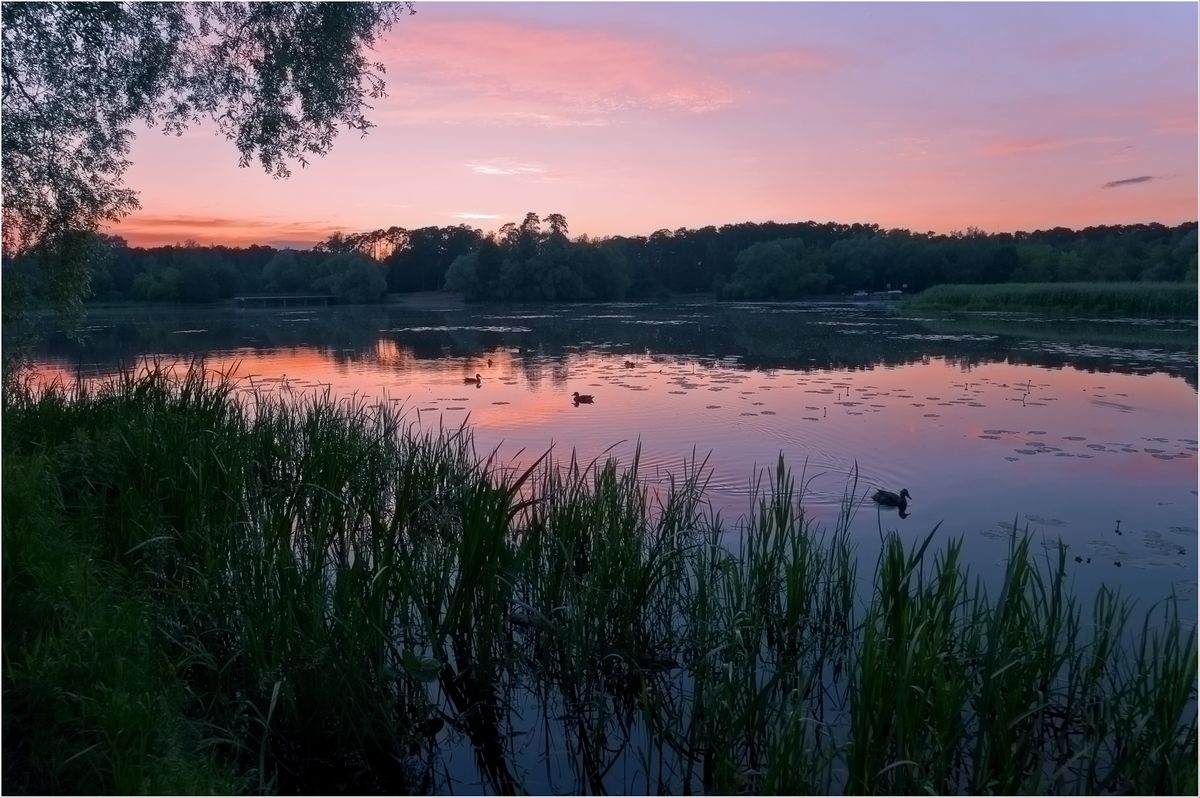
x,y
1082,430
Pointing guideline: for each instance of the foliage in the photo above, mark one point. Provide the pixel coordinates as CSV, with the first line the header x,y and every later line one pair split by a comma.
x,y
536,261
195,274
783,269
277,79
247,548
779,261
1162,300
527,262
352,278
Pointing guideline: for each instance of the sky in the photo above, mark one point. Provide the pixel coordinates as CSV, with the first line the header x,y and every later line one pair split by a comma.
x,y
628,118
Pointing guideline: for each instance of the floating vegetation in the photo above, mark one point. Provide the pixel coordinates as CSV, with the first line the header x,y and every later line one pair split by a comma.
x,y
659,322
524,316
945,337
465,328
1124,408
839,323
1141,356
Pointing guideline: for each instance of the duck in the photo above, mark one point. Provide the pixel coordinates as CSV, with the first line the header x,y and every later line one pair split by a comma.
x,y
581,398
630,364
885,498
889,499
476,380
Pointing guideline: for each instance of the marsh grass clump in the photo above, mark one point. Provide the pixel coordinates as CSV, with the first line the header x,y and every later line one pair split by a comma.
x,y
212,590
1144,299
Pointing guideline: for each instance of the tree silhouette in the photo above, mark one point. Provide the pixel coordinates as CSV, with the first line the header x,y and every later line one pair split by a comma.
x,y
278,79
558,224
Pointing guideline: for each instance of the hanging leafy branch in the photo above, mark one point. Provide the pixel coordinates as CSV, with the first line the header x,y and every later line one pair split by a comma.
x,y
278,79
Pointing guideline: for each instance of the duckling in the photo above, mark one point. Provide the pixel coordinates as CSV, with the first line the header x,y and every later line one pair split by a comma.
x,y
581,398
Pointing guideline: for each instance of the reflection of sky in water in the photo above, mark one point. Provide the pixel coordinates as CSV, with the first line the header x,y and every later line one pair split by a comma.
x,y
1065,452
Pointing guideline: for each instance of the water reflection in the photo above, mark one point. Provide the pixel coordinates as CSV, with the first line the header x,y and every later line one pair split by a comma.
x,y
1064,427
806,337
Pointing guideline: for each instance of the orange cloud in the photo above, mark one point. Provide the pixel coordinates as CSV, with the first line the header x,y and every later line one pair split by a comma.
x,y
150,230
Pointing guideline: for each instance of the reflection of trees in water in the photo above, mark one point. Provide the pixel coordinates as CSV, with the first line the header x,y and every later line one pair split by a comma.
x,y
836,337
531,370
559,372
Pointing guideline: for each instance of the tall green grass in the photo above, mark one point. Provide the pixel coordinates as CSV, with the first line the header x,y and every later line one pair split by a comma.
x,y
207,590
1162,300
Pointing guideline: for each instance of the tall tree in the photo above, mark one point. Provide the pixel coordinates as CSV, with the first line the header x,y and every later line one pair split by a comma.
x,y
278,79
558,225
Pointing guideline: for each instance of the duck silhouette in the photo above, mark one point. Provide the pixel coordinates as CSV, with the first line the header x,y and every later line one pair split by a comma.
x,y
886,498
581,398
476,380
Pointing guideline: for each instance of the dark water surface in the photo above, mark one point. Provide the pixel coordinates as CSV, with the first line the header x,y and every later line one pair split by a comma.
x,y
1066,427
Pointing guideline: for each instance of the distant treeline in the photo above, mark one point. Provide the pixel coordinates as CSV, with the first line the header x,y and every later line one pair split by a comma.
x,y
538,260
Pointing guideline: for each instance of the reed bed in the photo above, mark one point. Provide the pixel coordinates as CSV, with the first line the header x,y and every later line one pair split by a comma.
x,y
209,590
1145,300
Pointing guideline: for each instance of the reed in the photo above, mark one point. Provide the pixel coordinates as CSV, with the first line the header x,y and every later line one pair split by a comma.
x,y
1162,300
321,596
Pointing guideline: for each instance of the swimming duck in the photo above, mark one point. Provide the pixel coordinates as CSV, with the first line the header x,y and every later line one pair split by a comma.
x,y
889,499
581,398
630,364
476,380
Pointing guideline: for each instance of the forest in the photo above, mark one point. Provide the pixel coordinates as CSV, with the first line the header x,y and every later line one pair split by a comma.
x,y
538,260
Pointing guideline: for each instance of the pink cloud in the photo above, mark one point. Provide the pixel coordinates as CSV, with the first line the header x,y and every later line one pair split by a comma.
x,y
504,167
785,62
1162,115
1078,48
475,216
1033,145
1167,115
558,72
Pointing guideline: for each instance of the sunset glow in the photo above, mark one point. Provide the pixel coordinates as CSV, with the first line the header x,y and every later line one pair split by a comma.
x,y
628,118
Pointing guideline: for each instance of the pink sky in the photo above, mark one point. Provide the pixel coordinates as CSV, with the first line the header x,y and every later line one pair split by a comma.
x,y
628,118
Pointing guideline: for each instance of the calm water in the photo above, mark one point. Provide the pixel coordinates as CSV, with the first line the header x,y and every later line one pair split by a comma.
x,y
1064,427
